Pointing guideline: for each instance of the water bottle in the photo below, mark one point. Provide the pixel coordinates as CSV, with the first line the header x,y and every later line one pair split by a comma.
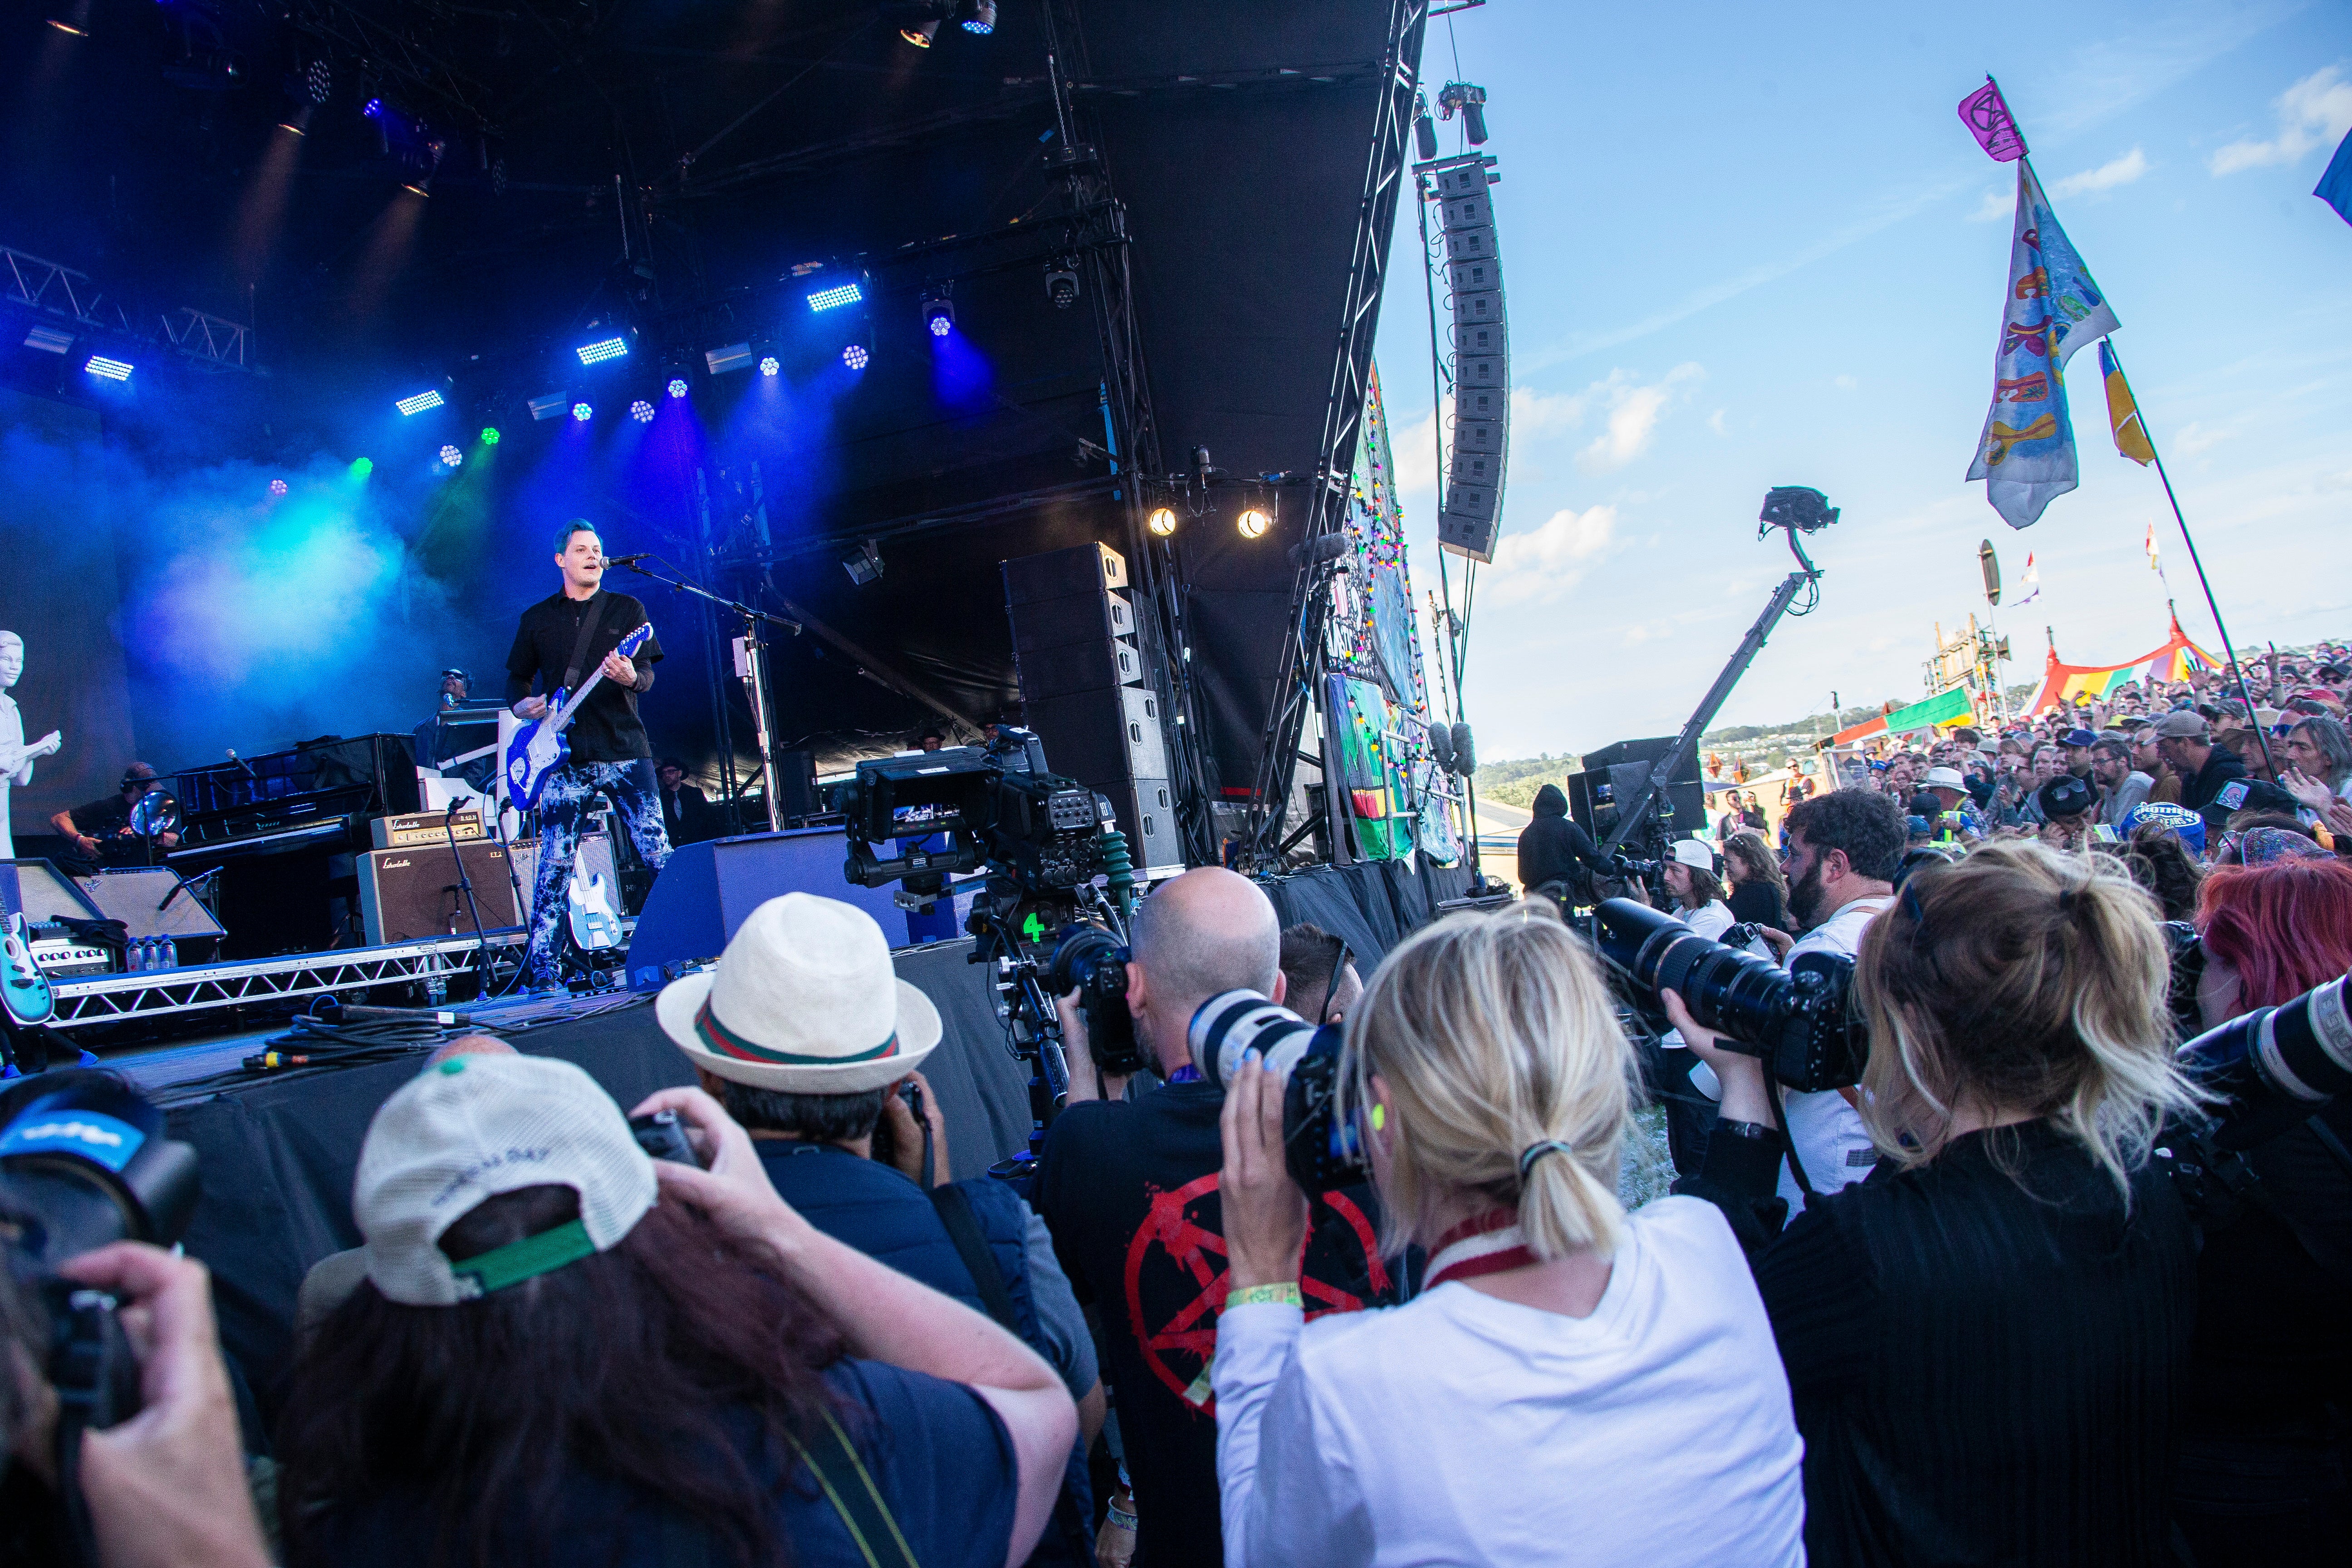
x,y
132,955
437,990
171,953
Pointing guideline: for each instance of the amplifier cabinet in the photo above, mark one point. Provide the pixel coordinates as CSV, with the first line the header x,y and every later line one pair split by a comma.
x,y
408,895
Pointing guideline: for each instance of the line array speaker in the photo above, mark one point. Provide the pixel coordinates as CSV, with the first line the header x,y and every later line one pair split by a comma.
x,y
1473,513
1084,690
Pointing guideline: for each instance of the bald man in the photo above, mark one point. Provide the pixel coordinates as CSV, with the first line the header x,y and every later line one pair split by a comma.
x,y
1129,1189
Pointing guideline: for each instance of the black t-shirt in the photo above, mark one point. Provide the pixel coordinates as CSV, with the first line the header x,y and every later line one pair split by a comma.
x,y
1129,1191
607,729
103,820
940,1456
1758,903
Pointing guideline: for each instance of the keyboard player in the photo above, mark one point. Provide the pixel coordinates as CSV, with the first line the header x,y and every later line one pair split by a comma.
x,y
100,834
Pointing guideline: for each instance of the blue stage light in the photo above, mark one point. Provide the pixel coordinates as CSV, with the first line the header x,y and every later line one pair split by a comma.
x,y
642,412
581,412
372,108
939,310
451,456
278,487
769,366
601,350
113,369
942,326
429,398
838,295
854,356
983,19
677,387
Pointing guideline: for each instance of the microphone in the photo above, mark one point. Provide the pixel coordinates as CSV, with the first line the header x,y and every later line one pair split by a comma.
x,y
628,559
240,761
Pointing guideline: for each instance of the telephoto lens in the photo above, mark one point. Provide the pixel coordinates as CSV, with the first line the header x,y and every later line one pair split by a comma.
x,y
1321,1153
1090,961
1798,1020
87,1165
2273,1067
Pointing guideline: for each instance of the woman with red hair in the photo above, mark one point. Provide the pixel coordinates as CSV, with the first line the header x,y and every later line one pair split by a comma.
x,y
2271,933
2261,1479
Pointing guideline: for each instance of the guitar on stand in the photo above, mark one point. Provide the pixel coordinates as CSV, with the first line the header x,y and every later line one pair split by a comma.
x,y
539,747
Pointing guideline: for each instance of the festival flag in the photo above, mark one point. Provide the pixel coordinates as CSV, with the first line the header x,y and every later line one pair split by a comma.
x,y
2123,414
2335,187
1987,116
2030,583
2026,452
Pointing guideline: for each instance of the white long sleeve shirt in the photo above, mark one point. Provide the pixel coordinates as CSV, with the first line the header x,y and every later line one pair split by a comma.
x,y
1465,1429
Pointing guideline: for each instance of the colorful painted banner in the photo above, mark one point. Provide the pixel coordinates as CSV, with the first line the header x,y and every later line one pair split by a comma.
x,y
2026,452
2063,682
1942,710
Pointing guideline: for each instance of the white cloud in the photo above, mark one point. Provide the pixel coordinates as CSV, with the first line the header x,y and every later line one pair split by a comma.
x,y
1633,413
1414,449
1846,382
1536,412
2195,437
1545,562
1715,422
1996,206
2315,112
2115,171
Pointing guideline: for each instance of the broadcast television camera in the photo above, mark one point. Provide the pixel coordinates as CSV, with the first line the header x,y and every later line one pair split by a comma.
x,y
1051,909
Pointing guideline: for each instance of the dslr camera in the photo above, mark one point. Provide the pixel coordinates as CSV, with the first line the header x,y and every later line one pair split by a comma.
x,y
1799,1020
84,1164
1321,1152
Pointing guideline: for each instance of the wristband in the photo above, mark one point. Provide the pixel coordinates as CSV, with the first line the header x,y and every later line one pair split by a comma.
x,y
1114,1514
1754,1131
1266,1295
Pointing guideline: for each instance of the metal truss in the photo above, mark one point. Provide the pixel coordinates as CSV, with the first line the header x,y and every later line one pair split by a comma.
x,y
1301,660
159,993
208,338
60,290
398,53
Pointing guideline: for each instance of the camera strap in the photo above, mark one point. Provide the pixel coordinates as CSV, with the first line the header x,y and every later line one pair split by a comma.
x,y
1789,1144
850,1488
954,1206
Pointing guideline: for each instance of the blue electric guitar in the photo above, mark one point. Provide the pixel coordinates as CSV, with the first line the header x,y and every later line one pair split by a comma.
x,y
588,906
538,747
24,993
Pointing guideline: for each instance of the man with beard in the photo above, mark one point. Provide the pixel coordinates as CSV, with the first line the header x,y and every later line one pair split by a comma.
x,y
1844,850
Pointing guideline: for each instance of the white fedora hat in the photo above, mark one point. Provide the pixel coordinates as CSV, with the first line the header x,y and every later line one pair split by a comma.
x,y
803,1000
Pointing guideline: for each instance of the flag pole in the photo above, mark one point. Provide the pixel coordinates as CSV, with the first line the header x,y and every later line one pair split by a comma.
x,y
2203,580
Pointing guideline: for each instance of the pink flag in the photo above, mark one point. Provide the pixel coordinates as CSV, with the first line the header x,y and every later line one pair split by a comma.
x,y
1988,118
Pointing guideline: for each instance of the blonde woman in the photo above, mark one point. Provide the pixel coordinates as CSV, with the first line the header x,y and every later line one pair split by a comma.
x,y
1572,1383
1986,1339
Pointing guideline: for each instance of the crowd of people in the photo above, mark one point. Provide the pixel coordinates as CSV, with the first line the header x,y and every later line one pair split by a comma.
x,y
1958,1311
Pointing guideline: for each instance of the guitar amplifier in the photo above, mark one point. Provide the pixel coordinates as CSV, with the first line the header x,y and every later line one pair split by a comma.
x,y
421,828
594,859
62,956
408,895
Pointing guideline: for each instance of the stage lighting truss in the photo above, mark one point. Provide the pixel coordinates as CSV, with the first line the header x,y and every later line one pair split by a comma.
x,y
677,387
939,310
854,356
582,412
429,398
769,364
106,369
642,412
451,457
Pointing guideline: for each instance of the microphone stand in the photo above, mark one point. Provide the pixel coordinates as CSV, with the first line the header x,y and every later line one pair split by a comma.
x,y
750,666
465,887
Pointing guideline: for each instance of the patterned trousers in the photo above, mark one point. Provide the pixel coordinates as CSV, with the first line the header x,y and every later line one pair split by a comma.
x,y
562,807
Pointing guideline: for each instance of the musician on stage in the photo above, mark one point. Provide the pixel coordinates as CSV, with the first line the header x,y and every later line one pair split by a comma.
x,y
559,642
100,833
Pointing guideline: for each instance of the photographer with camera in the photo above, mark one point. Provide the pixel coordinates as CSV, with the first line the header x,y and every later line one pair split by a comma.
x,y
1605,1385
1986,1342
2264,1471
1130,1190
566,1349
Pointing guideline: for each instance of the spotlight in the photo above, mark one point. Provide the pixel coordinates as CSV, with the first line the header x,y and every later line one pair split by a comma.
x,y
921,34
421,187
601,350
727,357
106,369
677,387
865,566
362,467
1162,521
451,457
299,122
983,19
840,294
372,108
278,487
1062,281
1252,522
318,81
854,356
429,398
583,413
48,339
768,365
939,310
547,406
642,412
489,435
74,20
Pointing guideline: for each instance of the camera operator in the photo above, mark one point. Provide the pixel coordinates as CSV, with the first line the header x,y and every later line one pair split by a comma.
x,y
1553,849
1572,1383
2262,1476
1844,848
1129,1191
1986,1342
567,1351
167,1487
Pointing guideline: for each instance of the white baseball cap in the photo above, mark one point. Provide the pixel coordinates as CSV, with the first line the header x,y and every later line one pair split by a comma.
x,y
469,1129
1692,853
803,1000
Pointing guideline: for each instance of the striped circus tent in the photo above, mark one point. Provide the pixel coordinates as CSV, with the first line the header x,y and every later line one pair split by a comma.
x,y
2063,682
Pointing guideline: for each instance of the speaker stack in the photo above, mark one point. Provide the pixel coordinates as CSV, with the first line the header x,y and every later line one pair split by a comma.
x,y
1473,513
1087,691
1612,777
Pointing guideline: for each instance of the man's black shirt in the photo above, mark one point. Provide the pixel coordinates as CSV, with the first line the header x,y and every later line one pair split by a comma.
x,y
607,729
1553,846
103,820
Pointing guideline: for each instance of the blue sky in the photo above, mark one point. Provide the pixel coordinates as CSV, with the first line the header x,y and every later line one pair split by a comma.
x,y
1749,245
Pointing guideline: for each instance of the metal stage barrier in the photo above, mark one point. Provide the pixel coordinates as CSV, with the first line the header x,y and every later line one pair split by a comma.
x,y
193,988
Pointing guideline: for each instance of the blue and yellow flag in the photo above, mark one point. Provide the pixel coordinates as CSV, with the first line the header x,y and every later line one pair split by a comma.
x,y
2123,414
2026,452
